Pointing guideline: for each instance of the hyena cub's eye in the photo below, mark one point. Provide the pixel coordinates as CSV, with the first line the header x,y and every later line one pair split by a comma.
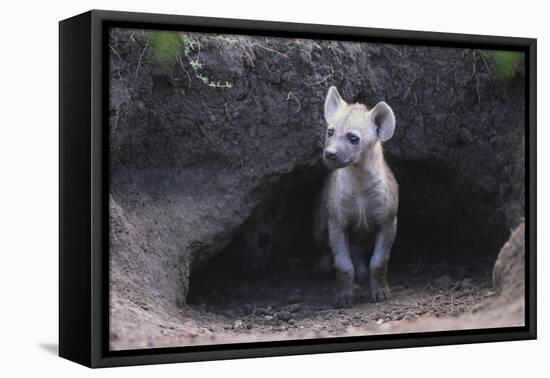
x,y
354,139
330,132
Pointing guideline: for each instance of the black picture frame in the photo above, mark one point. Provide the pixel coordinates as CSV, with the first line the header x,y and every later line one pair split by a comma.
x,y
83,181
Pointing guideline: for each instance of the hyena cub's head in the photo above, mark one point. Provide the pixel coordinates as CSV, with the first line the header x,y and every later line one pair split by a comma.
x,y
353,129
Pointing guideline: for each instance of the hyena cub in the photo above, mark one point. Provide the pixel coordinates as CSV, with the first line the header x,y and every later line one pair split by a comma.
x,y
359,197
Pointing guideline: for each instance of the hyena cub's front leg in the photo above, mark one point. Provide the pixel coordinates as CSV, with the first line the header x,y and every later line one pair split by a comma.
x,y
385,235
339,245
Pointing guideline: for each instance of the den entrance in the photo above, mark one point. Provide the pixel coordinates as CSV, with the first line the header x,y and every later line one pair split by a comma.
x,y
270,278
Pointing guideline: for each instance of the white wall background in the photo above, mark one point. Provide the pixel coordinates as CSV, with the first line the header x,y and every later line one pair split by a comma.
x,y
29,186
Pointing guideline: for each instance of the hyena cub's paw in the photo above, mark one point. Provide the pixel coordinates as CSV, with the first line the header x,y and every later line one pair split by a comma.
x,y
343,298
379,292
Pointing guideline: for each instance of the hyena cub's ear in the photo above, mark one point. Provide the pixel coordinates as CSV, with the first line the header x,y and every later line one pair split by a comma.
x,y
384,120
333,102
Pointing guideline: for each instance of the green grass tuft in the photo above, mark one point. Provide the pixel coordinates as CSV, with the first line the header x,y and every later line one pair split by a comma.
x,y
506,64
165,46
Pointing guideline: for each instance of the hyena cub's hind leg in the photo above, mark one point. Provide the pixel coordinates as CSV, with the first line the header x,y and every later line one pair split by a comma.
x,y
358,257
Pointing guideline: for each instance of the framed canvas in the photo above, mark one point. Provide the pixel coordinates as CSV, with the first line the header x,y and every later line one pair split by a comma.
x,y
234,188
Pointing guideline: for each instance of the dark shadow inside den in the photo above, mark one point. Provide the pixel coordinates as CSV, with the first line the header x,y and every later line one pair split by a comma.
x,y
447,227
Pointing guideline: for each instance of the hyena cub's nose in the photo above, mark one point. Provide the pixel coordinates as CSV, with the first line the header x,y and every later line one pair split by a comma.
x,y
330,154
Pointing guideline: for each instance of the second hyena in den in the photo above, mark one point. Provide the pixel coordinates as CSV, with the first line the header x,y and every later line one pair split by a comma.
x,y
360,196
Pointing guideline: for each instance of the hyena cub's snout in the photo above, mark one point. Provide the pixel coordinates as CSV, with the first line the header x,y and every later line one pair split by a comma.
x,y
333,159
337,154
330,154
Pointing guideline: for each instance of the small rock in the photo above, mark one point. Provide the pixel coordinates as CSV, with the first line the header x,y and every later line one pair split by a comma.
x,y
238,324
295,307
193,332
268,317
285,316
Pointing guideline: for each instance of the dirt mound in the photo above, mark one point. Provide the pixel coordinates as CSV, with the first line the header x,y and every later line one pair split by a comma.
x,y
205,136
509,271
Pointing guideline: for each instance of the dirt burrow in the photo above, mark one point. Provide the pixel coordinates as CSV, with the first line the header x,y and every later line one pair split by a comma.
x,y
190,164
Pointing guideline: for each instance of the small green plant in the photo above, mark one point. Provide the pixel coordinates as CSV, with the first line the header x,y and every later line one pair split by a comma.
x,y
189,44
168,47
214,84
196,65
506,64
